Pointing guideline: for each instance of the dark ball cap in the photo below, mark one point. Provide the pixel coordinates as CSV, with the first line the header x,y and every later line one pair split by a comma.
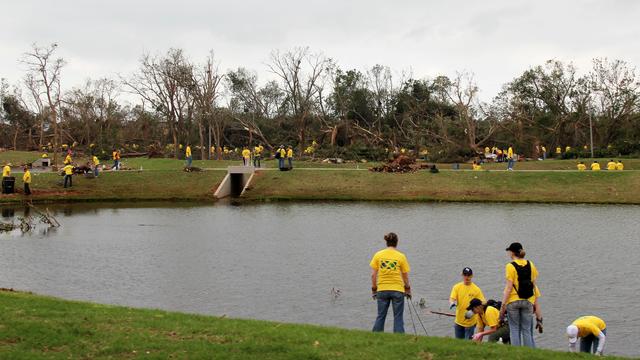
x,y
467,271
474,303
514,247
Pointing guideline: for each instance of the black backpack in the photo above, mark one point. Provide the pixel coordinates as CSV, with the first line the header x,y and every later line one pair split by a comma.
x,y
278,154
525,288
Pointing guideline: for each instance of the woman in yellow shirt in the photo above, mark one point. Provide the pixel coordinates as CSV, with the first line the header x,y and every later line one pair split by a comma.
x,y
519,296
26,179
582,166
595,166
246,155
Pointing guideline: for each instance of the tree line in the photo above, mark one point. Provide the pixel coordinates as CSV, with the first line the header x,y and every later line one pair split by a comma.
x,y
318,107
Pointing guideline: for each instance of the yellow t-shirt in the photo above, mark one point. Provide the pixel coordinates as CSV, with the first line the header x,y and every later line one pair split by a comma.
x,y
68,170
589,325
567,149
476,167
512,275
67,160
611,165
246,153
558,150
620,166
283,153
510,152
26,178
115,155
6,171
187,152
486,150
257,150
544,149
290,153
96,162
463,294
582,167
490,318
391,264
595,167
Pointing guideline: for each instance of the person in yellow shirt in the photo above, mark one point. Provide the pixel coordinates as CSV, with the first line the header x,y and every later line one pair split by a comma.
x,y
489,317
475,166
487,150
544,152
619,166
390,283
246,155
281,153
96,166
68,175
595,166
44,155
611,165
567,149
519,296
257,155
116,159
510,159
459,300
592,332
558,150
6,170
290,156
188,156
67,159
582,166
26,179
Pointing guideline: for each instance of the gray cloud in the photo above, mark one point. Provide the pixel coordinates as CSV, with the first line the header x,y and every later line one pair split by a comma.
x,y
495,39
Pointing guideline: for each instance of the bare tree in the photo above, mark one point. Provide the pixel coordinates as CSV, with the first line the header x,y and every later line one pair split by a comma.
x,y
301,74
164,82
205,82
46,70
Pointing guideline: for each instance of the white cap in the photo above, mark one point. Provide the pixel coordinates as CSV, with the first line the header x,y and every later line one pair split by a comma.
x,y
572,333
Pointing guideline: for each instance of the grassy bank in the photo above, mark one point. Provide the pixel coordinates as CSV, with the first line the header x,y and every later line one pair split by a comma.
x,y
163,179
42,327
558,187
122,186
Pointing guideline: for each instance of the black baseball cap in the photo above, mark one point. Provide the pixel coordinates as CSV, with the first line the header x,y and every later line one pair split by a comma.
x,y
514,247
474,303
467,271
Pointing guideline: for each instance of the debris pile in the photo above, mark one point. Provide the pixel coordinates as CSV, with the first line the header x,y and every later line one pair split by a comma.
x,y
400,164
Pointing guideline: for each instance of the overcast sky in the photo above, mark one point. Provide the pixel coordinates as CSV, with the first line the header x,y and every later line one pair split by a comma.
x,y
496,40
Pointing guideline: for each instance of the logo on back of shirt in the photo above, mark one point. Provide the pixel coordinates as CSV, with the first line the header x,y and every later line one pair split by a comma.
x,y
388,264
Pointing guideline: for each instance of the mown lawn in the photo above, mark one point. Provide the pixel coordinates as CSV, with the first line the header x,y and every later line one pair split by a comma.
x,y
561,187
47,328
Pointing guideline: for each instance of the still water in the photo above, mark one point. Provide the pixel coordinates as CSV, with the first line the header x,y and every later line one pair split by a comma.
x,y
281,261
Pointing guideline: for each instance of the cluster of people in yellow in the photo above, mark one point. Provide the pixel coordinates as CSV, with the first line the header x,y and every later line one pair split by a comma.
x,y
508,321
595,166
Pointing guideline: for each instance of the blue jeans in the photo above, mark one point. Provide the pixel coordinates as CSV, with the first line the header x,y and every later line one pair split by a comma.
x,y
256,161
520,314
384,299
116,165
281,163
96,170
69,179
462,332
590,342
290,163
189,161
511,163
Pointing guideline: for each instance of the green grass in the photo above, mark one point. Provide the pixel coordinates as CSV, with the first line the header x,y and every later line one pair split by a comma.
x,y
34,326
122,186
560,187
163,179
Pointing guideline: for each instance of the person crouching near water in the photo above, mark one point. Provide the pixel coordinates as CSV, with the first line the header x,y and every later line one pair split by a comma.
x,y
461,295
390,283
519,296
489,317
592,332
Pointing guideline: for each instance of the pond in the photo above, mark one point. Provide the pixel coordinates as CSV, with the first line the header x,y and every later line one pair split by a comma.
x,y
281,261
